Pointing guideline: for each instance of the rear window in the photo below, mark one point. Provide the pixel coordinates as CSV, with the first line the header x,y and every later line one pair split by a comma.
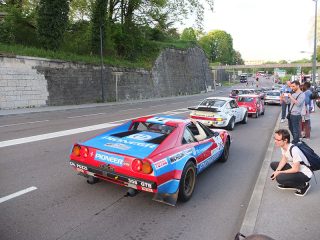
x,y
273,93
245,99
212,103
152,127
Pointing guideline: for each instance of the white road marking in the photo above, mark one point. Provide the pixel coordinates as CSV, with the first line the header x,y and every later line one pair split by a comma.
x,y
125,110
16,124
73,131
17,194
88,115
54,135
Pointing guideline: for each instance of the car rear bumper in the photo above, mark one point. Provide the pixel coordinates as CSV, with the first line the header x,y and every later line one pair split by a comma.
x,y
209,122
120,179
272,101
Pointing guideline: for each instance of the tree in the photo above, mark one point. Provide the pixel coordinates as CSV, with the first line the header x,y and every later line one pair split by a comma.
x,y
237,59
218,45
99,16
188,34
52,22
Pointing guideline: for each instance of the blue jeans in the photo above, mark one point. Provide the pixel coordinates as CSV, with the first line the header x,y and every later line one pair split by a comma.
x,y
284,107
294,127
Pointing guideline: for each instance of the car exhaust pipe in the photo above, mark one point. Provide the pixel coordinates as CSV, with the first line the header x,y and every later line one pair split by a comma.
x,y
131,192
92,180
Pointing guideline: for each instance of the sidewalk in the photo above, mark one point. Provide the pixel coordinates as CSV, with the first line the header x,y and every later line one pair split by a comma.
x,y
280,214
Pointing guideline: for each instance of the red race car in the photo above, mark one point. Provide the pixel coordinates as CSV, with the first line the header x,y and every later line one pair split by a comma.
x,y
156,154
253,103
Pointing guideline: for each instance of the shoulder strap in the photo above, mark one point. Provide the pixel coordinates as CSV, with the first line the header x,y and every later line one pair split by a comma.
x,y
293,105
291,149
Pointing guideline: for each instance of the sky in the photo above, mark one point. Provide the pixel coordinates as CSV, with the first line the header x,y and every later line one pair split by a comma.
x,y
268,30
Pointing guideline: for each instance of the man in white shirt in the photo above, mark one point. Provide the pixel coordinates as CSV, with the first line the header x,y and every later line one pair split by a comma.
x,y
292,171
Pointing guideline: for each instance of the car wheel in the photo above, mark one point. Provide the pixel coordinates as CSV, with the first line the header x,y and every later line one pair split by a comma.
x,y
225,155
231,124
245,118
187,182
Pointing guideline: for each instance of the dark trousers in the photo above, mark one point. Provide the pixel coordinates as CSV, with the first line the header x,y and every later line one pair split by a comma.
x,y
294,127
284,108
294,180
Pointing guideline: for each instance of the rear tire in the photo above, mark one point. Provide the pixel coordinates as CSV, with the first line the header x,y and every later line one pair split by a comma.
x,y
231,124
187,182
245,118
225,155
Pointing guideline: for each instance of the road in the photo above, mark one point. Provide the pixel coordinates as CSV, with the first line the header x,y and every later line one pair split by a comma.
x,y
58,204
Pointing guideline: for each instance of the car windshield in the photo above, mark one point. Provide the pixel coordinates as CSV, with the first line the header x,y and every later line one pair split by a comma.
x,y
245,99
212,103
273,93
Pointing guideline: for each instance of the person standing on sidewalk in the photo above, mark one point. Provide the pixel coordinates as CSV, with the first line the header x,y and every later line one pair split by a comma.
x,y
297,102
291,172
305,114
284,100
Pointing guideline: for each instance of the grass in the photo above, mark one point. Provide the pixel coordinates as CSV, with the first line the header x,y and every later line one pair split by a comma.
x,y
144,62
227,84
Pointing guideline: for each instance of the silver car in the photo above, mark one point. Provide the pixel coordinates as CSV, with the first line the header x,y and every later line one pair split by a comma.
x,y
272,97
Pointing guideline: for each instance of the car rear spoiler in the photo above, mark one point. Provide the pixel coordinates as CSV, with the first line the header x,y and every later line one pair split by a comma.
x,y
207,109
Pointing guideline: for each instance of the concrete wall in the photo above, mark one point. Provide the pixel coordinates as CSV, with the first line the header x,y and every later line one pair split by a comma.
x,y
34,82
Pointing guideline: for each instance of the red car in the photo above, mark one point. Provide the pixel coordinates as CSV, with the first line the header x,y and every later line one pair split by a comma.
x,y
253,103
157,154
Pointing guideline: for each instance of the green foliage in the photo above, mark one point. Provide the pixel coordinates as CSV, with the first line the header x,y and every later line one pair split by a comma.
x,y
99,22
189,34
17,27
218,45
52,22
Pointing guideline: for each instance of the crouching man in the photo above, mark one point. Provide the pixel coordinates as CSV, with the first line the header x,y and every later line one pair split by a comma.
x,y
291,172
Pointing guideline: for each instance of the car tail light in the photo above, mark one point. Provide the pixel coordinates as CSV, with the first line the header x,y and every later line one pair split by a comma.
x,y
76,150
218,119
146,167
84,151
136,165
141,166
80,151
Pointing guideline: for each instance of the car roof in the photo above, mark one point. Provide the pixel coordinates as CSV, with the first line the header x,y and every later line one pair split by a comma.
x,y
220,98
249,95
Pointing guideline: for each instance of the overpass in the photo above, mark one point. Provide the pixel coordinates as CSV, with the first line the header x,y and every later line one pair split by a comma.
x,y
276,65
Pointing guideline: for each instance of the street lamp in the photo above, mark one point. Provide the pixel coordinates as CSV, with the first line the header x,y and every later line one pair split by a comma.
x,y
314,62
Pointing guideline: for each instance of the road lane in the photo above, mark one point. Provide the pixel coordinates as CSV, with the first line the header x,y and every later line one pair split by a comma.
x,y
66,207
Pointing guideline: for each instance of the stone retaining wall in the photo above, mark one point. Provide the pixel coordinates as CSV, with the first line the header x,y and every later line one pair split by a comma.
x,y
34,82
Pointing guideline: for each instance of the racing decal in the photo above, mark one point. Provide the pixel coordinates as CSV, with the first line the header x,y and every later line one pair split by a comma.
x,y
133,143
180,155
208,161
161,163
109,158
201,148
78,166
163,119
143,136
118,146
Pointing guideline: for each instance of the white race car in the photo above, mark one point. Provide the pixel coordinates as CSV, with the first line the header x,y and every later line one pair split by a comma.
x,y
220,112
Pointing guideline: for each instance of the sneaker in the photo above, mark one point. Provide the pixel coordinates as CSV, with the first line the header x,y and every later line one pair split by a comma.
x,y
303,191
282,120
284,187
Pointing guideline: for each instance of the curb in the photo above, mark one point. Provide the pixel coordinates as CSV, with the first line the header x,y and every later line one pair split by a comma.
x,y
250,218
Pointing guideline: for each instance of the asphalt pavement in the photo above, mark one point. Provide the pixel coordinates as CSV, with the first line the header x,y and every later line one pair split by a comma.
x,y
280,214
276,213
